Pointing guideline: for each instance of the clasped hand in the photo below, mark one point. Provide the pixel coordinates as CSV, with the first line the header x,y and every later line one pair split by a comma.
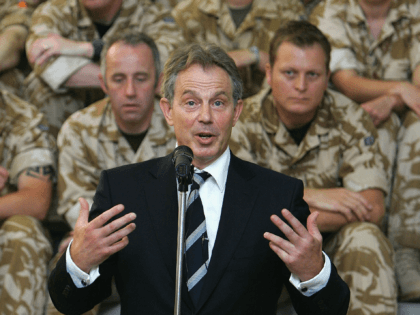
x,y
97,240
302,250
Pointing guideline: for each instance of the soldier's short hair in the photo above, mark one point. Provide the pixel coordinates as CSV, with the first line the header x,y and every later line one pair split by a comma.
x,y
302,34
206,55
132,39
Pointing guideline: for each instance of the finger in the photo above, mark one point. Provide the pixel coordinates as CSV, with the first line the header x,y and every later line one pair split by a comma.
x,y
102,219
279,245
83,213
313,226
46,54
116,247
298,228
119,234
117,224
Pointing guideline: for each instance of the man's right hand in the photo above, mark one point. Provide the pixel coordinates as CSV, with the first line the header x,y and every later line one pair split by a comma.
x,y
97,240
351,204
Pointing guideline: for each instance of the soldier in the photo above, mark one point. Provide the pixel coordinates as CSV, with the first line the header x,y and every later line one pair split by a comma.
x,y
375,61
26,181
15,19
242,28
126,127
65,42
302,129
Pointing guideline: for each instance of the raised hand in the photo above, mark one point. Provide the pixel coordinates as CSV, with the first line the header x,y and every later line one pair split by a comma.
x,y
97,240
302,250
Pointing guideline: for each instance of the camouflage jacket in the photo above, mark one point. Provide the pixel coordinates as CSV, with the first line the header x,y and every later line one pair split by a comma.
x,y
338,150
70,19
90,142
24,138
393,56
210,21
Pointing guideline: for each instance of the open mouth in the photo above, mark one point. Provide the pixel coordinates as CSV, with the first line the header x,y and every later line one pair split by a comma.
x,y
205,136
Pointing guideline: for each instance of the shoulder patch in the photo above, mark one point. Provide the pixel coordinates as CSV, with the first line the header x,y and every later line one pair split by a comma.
x,y
369,140
43,127
168,19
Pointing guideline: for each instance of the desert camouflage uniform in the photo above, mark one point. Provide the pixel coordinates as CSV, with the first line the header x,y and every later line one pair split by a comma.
x,y
12,14
24,248
210,21
338,150
393,56
90,142
70,19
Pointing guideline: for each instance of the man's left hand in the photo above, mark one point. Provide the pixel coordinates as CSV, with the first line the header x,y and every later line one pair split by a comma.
x,y
302,250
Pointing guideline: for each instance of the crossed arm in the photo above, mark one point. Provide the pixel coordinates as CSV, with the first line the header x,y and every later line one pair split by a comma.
x,y
378,97
12,41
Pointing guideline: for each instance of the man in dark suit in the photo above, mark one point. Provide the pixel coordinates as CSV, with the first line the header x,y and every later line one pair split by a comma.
x,y
243,273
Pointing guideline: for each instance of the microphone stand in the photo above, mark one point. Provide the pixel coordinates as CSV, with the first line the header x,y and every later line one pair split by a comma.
x,y
183,182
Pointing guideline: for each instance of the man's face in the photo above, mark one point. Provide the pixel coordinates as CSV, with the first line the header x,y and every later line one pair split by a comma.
x,y
130,84
203,112
94,5
298,80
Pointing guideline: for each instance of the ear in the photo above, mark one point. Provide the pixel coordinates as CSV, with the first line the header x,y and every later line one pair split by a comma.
x,y
166,108
268,73
237,111
103,85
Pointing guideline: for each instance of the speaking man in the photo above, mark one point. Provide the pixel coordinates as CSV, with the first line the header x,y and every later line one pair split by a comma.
x,y
237,259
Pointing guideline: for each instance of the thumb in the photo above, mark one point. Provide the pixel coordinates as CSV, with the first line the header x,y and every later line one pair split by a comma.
x,y
313,226
84,212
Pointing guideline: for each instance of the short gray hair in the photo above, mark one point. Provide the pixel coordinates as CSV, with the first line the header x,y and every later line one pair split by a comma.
x,y
207,55
132,39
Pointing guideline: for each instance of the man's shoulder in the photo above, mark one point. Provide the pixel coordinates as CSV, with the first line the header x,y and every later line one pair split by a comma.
x,y
252,109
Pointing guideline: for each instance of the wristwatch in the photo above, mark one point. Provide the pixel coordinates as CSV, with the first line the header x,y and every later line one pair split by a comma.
x,y
97,44
256,52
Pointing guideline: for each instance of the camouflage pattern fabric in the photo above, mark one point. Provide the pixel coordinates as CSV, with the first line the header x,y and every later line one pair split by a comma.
x,y
90,142
338,150
24,249
12,14
69,18
24,255
210,21
393,56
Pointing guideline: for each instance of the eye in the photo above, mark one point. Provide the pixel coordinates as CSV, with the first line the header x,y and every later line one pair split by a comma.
x,y
313,74
191,103
289,73
218,103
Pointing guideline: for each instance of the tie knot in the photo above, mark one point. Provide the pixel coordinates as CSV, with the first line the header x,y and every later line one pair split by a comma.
x,y
200,178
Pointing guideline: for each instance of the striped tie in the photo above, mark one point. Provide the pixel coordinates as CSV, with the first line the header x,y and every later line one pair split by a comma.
x,y
196,244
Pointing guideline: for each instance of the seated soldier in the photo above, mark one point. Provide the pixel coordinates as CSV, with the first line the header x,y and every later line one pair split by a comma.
x,y
64,51
26,182
243,28
376,62
126,127
302,129
15,19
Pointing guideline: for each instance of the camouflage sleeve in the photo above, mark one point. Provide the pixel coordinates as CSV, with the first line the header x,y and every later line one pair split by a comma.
x,y
53,17
76,175
415,36
328,17
362,164
159,24
11,13
30,142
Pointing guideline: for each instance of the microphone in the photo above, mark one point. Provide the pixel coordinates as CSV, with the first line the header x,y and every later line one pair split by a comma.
x,y
182,158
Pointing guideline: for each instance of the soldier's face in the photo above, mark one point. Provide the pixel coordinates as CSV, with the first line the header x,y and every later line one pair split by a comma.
x,y
130,84
298,80
203,112
94,5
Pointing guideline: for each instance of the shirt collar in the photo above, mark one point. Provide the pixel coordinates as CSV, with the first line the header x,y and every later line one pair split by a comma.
x,y
219,169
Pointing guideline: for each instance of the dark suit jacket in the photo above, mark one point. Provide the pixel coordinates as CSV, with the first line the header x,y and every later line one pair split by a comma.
x,y
244,276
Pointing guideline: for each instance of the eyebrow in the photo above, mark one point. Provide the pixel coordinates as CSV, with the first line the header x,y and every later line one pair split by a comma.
x,y
195,94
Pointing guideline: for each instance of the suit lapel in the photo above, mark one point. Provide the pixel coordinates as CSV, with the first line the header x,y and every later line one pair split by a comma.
x,y
162,200
238,203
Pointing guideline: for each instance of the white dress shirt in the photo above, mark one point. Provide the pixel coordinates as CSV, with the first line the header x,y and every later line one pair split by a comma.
x,y
212,193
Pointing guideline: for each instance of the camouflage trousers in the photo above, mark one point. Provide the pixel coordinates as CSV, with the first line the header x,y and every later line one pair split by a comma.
x,y
364,258
404,221
24,255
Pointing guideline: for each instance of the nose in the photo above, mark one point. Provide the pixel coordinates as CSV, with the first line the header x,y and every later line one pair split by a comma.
x,y
130,91
205,115
300,83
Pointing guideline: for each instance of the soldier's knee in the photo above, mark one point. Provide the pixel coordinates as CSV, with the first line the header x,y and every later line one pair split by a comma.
x,y
366,234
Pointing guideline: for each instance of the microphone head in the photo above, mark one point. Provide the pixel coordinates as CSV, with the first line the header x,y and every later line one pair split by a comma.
x,y
182,158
